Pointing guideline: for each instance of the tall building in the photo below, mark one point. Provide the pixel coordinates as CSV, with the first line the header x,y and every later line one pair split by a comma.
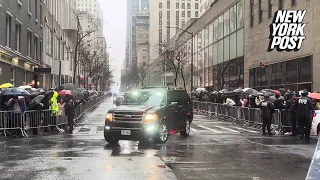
x,y
142,31
59,41
168,13
205,5
133,8
21,39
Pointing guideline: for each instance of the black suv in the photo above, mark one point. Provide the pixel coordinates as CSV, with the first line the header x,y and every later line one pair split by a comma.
x,y
150,113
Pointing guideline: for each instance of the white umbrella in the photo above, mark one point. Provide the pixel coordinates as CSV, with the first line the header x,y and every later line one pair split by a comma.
x,y
25,87
201,89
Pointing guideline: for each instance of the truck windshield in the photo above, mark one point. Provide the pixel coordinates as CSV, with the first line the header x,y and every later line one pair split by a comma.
x,y
149,98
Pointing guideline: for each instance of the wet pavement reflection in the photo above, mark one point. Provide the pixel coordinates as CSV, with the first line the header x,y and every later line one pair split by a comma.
x,y
203,155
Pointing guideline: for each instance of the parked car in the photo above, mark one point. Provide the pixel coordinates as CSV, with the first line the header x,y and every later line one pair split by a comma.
x,y
153,113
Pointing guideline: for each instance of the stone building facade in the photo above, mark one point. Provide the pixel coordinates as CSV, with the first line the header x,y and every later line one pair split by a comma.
x,y
289,70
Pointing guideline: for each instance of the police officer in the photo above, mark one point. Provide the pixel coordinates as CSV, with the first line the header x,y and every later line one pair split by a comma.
x,y
267,110
304,109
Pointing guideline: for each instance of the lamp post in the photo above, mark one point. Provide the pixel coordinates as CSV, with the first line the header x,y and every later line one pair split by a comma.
x,y
192,56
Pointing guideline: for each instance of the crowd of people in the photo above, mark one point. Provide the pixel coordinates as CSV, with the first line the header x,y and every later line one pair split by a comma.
x,y
298,106
15,101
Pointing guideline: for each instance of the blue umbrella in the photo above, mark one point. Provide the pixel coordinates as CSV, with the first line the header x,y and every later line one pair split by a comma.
x,y
14,92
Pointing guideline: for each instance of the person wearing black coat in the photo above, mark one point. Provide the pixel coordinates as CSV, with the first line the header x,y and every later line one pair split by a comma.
x,y
290,108
70,113
267,110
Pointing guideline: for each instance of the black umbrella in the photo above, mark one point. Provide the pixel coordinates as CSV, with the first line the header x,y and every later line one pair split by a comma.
x,y
14,92
78,95
68,86
239,90
36,100
48,94
268,92
250,91
223,91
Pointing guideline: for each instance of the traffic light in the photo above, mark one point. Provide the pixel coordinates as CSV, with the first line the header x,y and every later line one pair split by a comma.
x,y
262,65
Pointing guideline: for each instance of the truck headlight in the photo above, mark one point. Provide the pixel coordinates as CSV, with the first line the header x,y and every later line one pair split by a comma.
x,y
150,118
109,117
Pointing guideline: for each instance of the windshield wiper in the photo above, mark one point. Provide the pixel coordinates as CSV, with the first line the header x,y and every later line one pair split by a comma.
x,y
146,99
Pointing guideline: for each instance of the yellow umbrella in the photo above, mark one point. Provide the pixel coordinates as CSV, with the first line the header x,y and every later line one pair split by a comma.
x,y
6,85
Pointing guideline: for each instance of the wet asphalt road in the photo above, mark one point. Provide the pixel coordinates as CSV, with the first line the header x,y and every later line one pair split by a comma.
x,y
214,150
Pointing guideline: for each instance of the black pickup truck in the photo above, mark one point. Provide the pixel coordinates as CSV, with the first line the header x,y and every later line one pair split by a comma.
x,y
150,113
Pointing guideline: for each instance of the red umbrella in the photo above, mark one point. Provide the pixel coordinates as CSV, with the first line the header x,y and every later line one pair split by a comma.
x,y
314,96
65,92
276,91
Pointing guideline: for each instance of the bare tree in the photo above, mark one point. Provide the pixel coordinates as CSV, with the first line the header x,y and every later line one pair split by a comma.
x,y
174,59
221,69
91,61
81,34
142,71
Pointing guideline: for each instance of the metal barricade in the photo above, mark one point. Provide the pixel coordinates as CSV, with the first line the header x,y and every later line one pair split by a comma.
x,y
10,120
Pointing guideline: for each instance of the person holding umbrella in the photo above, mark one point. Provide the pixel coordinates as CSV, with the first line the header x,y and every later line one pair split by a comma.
x,y
36,106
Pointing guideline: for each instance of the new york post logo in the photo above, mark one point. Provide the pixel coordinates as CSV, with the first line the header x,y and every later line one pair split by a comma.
x,y
287,30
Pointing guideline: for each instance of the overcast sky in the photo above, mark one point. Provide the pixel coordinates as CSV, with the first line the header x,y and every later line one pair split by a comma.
x,y
114,13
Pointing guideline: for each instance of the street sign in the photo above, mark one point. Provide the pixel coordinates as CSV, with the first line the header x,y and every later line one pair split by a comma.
x,y
42,70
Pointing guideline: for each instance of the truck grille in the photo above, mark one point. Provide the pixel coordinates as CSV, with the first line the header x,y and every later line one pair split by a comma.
x,y
128,116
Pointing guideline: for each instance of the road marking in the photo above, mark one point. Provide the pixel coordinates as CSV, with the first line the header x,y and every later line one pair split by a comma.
x,y
228,129
76,130
93,130
213,130
193,129
245,130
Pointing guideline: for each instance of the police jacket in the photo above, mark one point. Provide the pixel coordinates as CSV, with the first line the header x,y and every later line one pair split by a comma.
x,y
267,109
278,104
304,107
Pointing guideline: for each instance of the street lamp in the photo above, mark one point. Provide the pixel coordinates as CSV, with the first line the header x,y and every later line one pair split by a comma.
x,y
192,59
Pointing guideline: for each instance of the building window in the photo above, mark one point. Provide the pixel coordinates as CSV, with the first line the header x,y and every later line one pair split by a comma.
x,y
226,22
251,12
189,5
8,30
36,9
29,42
41,51
36,56
183,6
280,5
57,48
196,6
177,18
189,14
183,14
18,37
29,7
160,5
196,14
168,4
177,5
270,8
260,11
41,14
48,41
293,2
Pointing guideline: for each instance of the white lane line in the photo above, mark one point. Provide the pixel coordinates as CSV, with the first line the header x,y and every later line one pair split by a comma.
x,y
76,130
193,129
228,129
245,130
213,130
93,130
